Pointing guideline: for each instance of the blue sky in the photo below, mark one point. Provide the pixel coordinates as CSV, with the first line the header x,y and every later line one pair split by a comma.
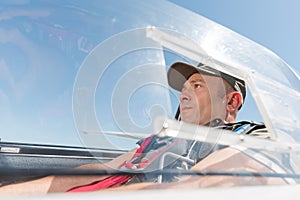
x,y
271,23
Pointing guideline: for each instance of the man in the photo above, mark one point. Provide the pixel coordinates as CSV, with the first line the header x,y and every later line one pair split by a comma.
x,y
206,94
208,97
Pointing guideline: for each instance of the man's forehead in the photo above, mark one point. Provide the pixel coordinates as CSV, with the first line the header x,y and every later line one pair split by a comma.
x,y
203,78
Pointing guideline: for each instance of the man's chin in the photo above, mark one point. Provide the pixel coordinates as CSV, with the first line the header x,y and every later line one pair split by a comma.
x,y
189,120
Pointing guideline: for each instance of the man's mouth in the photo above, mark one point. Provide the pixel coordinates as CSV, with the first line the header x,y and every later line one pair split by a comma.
x,y
186,108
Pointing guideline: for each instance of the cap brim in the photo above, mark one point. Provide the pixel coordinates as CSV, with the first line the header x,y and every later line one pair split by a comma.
x,y
179,72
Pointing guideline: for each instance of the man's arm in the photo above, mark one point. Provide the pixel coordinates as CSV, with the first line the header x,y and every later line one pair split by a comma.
x,y
229,160
63,183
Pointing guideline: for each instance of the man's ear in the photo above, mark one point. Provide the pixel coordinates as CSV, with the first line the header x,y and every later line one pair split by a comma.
x,y
234,101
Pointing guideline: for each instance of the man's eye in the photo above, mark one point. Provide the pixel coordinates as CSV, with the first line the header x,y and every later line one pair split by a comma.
x,y
197,86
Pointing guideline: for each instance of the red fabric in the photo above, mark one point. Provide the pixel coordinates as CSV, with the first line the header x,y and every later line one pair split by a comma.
x,y
138,152
112,181
102,184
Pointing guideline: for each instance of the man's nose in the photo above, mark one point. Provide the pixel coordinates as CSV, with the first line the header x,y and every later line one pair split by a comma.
x,y
185,93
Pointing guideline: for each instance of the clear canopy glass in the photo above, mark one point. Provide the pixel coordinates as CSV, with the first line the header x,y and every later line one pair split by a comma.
x,y
81,72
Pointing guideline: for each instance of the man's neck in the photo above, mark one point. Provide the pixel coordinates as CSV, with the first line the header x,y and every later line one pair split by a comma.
x,y
215,122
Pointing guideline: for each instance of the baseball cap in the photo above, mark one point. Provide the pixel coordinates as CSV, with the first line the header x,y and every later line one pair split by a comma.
x,y
179,72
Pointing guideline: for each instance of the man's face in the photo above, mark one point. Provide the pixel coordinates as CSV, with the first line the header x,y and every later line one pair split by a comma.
x,y
202,99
